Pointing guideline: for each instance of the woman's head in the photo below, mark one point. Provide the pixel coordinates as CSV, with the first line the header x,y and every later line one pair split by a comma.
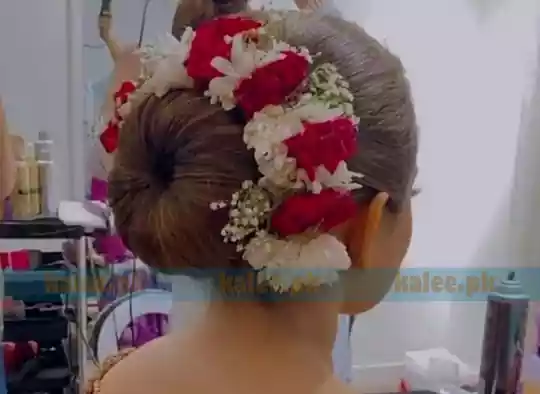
x,y
193,12
179,153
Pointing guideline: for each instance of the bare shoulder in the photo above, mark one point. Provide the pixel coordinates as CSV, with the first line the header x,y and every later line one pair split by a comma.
x,y
170,365
148,369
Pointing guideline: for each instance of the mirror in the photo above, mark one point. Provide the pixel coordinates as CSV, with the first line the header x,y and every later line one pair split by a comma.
x,y
112,29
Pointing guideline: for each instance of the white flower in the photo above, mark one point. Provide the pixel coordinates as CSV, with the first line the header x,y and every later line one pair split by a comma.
x,y
285,263
245,59
265,134
166,46
311,109
278,170
168,70
267,131
271,126
341,179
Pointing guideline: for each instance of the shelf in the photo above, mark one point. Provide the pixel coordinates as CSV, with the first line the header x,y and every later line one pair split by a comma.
x,y
47,228
46,380
48,372
39,329
42,285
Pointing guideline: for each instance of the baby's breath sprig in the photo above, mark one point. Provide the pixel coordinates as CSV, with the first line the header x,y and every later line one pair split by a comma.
x,y
327,85
249,210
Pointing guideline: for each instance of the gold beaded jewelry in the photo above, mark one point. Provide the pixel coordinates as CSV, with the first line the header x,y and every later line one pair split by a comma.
x,y
94,384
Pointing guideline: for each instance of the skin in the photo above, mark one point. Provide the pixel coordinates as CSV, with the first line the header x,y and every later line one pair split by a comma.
x,y
105,27
234,349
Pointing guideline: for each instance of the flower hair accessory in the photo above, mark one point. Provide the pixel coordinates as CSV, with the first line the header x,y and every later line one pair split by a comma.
x,y
109,137
301,128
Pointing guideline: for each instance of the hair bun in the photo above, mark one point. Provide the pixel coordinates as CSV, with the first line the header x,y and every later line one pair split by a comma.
x,y
190,13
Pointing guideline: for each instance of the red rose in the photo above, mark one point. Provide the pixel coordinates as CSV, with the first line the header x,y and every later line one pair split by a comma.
x,y
109,137
321,212
323,144
272,84
209,43
122,95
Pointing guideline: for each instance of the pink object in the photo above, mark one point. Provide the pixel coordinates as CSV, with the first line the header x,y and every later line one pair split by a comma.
x,y
4,260
98,189
20,260
404,387
111,247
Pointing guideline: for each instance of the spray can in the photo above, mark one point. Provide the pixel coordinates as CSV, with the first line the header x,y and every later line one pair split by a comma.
x,y
504,337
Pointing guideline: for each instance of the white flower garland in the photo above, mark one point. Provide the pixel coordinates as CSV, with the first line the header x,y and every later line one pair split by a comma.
x,y
301,260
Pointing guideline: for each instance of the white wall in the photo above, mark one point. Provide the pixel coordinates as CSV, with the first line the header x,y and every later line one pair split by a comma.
x,y
126,27
467,68
34,66
511,41
467,64
34,84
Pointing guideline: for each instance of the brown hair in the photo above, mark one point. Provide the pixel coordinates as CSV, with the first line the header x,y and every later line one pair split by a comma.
x,y
179,153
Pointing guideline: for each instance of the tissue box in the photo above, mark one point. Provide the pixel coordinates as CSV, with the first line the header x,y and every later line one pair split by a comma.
x,y
438,370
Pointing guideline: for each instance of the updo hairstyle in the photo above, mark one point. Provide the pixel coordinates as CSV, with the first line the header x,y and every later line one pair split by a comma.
x,y
179,153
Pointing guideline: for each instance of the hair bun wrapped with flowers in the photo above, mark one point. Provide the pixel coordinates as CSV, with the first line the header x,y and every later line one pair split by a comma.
x,y
300,127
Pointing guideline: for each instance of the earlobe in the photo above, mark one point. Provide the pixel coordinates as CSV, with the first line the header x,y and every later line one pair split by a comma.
x,y
364,229
360,282
374,218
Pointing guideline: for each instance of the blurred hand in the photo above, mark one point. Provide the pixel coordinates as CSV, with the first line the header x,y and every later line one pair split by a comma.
x,y
128,63
308,5
104,26
127,67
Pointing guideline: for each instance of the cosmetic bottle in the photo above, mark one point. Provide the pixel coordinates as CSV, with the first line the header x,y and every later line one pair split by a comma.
x,y
504,339
20,198
45,169
33,175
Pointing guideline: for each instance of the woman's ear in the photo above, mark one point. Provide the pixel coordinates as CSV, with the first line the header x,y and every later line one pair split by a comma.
x,y
364,229
377,242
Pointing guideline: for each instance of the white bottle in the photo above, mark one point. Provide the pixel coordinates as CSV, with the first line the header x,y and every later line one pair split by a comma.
x,y
45,164
43,145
